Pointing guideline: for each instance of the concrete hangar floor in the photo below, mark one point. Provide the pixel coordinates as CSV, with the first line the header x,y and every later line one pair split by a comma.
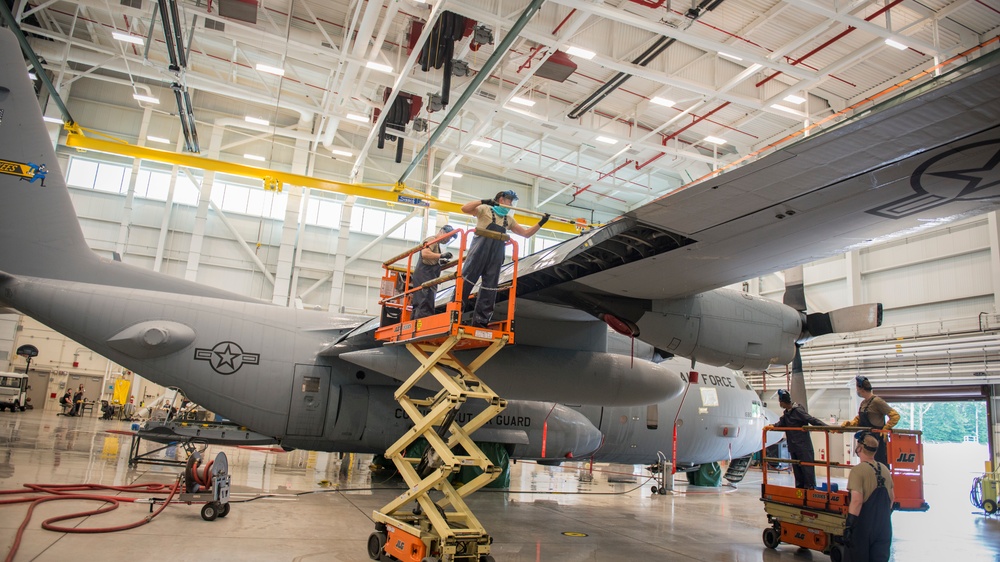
x,y
306,506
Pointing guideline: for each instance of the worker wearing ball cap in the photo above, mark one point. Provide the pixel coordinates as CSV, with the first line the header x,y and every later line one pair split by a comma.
x,y
800,445
486,253
872,413
429,267
868,529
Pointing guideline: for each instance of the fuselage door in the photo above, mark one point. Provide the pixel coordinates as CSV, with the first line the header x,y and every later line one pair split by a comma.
x,y
310,393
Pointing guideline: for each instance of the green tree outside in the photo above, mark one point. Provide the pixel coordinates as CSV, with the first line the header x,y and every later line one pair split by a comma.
x,y
944,422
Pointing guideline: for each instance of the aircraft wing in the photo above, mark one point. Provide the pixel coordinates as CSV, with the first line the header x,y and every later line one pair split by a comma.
x,y
923,158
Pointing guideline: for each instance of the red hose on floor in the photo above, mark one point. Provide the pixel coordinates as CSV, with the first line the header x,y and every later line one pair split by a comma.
x,y
68,492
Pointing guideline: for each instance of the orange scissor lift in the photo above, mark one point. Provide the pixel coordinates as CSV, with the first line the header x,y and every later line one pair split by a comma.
x,y
441,527
815,519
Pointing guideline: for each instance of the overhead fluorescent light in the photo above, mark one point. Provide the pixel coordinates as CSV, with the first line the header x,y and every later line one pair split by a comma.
x,y
896,45
338,152
256,121
453,174
356,117
522,101
728,56
607,140
160,140
780,107
32,76
481,144
128,38
147,99
378,66
56,120
715,140
582,53
662,101
792,98
270,69
254,157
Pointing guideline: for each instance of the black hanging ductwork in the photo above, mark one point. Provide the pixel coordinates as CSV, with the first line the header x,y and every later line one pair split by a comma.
x,y
173,37
648,56
403,109
439,50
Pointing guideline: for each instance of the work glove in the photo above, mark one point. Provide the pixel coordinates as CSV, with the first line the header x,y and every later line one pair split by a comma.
x,y
545,219
489,202
846,423
852,520
446,256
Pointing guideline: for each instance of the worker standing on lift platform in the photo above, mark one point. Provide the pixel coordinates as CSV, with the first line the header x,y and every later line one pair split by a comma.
x,y
429,267
486,253
872,412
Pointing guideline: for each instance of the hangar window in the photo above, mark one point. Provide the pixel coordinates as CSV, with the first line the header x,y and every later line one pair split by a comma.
x,y
232,197
322,212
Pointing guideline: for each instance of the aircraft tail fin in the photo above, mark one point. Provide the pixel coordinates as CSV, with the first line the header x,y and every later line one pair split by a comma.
x,y
40,235
36,215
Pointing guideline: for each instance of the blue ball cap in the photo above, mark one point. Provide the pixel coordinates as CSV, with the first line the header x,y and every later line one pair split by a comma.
x,y
784,397
510,194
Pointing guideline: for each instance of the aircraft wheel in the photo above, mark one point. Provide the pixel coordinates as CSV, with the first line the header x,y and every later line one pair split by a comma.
x,y
209,512
990,507
224,511
376,545
771,537
838,553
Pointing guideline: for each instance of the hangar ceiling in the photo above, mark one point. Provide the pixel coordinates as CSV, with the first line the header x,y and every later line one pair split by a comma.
x,y
663,91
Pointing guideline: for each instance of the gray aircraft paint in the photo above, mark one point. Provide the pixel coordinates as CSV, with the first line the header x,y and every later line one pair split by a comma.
x,y
267,367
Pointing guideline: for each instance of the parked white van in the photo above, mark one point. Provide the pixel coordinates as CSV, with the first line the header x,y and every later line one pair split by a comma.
x,y
13,391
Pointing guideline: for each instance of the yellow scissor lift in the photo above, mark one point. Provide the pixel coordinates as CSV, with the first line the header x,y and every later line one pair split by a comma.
x,y
441,527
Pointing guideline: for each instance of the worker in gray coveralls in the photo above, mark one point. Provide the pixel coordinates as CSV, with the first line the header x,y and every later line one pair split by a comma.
x,y
429,267
486,253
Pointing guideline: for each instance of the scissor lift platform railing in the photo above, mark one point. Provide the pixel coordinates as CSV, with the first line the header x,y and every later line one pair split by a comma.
x,y
441,527
816,519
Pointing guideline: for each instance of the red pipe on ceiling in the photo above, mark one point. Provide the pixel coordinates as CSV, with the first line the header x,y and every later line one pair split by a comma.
x,y
838,37
677,132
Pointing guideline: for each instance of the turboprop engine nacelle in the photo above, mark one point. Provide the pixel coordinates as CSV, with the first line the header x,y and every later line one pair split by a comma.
x,y
724,327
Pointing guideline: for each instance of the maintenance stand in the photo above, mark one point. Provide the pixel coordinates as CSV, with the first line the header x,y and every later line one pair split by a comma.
x,y
441,527
816,519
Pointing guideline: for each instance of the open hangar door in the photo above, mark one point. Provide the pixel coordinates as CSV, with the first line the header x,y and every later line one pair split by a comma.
x,y
984,394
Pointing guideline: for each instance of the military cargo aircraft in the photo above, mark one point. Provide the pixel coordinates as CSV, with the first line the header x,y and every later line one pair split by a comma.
x,y
320,381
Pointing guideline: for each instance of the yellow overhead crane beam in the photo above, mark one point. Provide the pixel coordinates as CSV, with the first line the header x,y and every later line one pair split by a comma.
x,y
273,179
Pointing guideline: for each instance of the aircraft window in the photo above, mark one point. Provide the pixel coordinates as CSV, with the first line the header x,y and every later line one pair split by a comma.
x,y
310,384
709,396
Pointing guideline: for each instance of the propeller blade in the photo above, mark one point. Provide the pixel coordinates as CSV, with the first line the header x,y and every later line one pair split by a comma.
x,y
795,292
797,381
848,319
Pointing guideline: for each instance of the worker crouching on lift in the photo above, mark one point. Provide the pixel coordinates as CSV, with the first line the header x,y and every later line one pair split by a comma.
x,y
428,268
486,253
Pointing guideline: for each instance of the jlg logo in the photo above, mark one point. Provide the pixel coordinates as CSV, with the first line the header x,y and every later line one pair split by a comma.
x,y
907,457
